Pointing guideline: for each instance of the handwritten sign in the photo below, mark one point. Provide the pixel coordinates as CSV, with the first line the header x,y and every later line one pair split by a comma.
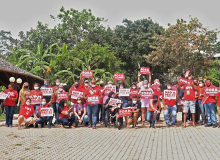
x,y
119,76
109,89
144,70
35,99
124,92
146,94
187,74
94,99
46,91
87,74
124,112
46,112
211,91
114,101
184,81
76,94
63,95
169,94
3,95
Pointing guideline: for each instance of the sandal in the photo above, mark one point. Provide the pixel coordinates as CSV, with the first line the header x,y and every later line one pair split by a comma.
x,y
101,123
184,125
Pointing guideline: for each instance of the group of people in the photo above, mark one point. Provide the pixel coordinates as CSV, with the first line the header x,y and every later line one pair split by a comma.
x,y
80,111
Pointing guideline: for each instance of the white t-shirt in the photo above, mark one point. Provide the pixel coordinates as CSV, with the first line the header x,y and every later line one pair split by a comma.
x,y
145,102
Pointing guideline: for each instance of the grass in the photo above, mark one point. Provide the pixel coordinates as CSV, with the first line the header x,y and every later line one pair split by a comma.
x,y
18,145
27,148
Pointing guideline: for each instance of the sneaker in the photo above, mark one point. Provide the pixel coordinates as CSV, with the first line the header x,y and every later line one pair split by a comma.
x,y
76,126
153,127
203,123
93,127
52,124
214,125
190,122
135,126
42,126
196,122
36,126
84,126
208,125
89,126
49,127
132,126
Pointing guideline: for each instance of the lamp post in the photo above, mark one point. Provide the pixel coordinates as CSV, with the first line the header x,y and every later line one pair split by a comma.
x,y
18,81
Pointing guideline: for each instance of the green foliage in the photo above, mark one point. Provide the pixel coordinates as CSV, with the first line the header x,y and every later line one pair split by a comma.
x,y
214,73
2,88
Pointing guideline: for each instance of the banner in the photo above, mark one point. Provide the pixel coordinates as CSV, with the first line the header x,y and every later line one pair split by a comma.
x,y
124,92
187,74
184,81
124,112
46,91
211,91
46,112
3,95
87,74
63,95
145,70
146,94
119,77
169,94
35,99
76,94
114,101
94,99
108,89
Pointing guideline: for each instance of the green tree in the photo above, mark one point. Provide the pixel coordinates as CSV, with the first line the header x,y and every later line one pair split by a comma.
x,y
214,73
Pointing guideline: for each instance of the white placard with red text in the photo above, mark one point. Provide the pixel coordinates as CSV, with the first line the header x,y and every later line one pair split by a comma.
x,y
108,89
184,81
187,74
46,91
35,99
87,74
145,70
114,101
124,92
63,95
169,94
46,112
124,112
146,94
76,94
3,95
211,91
119,77
94,99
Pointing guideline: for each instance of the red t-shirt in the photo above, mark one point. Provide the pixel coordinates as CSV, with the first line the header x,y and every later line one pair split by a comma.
x,y
93,91
156,106
218,98
26,111
73,88
156,90
36,92
133,92
64,109
55,97
210,99
199,90
101,89
189,94
170,102
42,106
11,94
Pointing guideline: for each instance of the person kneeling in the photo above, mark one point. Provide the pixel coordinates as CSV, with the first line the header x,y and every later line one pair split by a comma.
x,y
80,112
63,114
43,119
153,109
25,114
135,113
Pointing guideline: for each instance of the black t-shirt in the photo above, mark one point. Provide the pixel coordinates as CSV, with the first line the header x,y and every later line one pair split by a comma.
x,y
138,104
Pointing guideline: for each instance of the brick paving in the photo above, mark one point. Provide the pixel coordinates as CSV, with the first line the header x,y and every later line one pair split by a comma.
x,y
111,143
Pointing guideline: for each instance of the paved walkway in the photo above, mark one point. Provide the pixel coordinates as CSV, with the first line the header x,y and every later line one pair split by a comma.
x,y
111,143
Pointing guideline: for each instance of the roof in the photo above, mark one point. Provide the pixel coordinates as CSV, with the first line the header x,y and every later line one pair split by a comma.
x,y
217,55
8,67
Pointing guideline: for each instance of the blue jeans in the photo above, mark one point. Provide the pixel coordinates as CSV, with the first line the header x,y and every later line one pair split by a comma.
x,y
65,121
57,114
103,113
211,113
36,108
149,114
124,105
9,115
92,112
173,110
202,110
85,119
181,94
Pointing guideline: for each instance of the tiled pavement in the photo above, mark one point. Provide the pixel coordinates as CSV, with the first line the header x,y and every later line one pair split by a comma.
x,y
111,143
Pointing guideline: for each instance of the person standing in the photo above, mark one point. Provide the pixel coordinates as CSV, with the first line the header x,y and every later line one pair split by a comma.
x,y
46,85
23,94
92,109
55,88
209,103
200,97
10,104
100,116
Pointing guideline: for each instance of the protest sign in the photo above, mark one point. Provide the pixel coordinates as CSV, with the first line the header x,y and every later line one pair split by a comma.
x,y
114,101
124,112
119,76
184,81
76,94
93,99
187,74
169,94
46,112
87,74
3,95
146,94
46,91
63,95
108,89
144,70
211,91
35,99
124,92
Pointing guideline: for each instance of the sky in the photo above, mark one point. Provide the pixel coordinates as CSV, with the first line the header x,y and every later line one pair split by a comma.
x,y
21,15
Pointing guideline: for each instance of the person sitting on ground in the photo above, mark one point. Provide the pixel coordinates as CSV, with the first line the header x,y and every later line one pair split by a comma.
x,y
153,109
63,114
135,112
44,120
25,114
80,112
